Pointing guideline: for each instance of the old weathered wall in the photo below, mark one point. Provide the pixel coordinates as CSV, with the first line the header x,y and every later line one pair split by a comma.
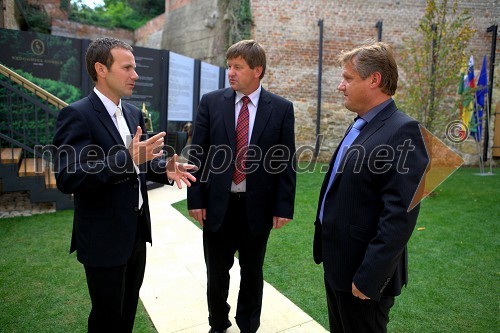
x,y
289,31
72,29
9,15
195,28
150,34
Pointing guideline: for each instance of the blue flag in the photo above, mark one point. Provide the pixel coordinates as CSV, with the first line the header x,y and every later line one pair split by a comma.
x,y
481,90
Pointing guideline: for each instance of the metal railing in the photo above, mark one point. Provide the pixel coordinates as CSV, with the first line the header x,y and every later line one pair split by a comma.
x,y
33,88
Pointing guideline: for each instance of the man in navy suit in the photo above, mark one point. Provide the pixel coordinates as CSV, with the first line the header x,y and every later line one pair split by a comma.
x,y
244,144
365,214
106,169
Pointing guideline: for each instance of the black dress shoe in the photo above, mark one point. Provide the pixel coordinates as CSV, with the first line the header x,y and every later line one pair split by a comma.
x,y
217,331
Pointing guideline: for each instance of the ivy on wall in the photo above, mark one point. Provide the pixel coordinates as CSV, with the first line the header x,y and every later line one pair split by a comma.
x,y
239,18
35,18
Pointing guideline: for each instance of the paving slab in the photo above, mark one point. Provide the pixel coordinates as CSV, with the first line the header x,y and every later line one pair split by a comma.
x,y
174,288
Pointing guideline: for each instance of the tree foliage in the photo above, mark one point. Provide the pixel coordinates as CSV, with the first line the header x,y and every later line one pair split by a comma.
x,y
27,122
129,14
432,62
64,91
35,18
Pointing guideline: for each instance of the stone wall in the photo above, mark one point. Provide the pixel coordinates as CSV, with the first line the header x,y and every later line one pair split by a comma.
x,y
9,15
289,31
195,28
72,29
290,34
150,34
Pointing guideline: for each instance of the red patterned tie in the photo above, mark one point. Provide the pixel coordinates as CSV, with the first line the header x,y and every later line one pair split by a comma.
x,y
241,141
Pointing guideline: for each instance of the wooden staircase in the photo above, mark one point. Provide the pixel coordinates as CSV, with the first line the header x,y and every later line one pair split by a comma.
x,y
34,175
35,109
10,155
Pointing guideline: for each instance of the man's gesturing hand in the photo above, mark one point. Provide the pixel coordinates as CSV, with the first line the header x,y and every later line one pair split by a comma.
x,y
180,171
143,151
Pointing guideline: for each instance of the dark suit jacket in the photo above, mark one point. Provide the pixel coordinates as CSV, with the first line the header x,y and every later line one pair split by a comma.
x,y
366,225
270,183
92,163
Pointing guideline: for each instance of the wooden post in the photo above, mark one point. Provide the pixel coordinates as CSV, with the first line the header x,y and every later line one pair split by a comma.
x,y
495,152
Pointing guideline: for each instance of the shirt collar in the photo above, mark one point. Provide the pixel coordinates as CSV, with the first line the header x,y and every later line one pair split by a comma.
x,y
108,104
374,111
254,97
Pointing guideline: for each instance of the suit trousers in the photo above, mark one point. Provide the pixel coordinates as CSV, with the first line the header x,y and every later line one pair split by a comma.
x,y
219,248
114,291
349,314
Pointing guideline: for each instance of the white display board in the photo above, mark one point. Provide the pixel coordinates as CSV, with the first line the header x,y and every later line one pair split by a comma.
x,y
180,87
209,78
226,80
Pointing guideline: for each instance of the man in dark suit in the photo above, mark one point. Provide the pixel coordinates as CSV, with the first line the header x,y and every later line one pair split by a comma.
x,y
244,144
111,216
365,214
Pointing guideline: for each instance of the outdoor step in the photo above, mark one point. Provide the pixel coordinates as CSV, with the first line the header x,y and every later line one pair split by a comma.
x,y
50,180
31,167
10,155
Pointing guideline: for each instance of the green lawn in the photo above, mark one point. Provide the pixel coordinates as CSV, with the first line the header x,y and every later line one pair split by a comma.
x,y
454,277
42,287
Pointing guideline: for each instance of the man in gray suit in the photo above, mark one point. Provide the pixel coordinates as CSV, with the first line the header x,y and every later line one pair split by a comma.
x,y
365,215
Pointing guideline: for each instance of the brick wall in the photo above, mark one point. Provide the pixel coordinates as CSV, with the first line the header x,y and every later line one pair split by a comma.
x,y
289,31
72,29
150,34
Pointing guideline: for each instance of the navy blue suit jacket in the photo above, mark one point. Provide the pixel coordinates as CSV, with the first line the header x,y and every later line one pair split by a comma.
x,y
366,223
270,180
92,163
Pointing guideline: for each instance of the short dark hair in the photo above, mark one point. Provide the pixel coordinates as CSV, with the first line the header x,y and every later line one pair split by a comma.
x,y
374,57
251,52
100,51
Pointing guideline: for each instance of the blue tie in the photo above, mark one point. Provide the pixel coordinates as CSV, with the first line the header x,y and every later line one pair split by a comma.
x,y
346,143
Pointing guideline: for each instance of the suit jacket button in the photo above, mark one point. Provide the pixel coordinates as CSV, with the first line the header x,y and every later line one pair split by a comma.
x,y
136,209
136,185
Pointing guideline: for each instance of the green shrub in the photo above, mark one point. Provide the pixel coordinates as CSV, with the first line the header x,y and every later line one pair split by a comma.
x,y
26,122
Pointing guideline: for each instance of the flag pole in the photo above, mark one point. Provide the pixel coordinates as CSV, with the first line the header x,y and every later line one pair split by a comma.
x,y
487,110
479,137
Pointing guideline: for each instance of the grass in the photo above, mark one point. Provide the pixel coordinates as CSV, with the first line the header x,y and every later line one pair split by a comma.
x,y
42,287
453,280
454,276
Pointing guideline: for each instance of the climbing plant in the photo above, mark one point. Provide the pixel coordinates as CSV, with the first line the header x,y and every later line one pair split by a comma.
x,y
433,58
34,17
239,18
